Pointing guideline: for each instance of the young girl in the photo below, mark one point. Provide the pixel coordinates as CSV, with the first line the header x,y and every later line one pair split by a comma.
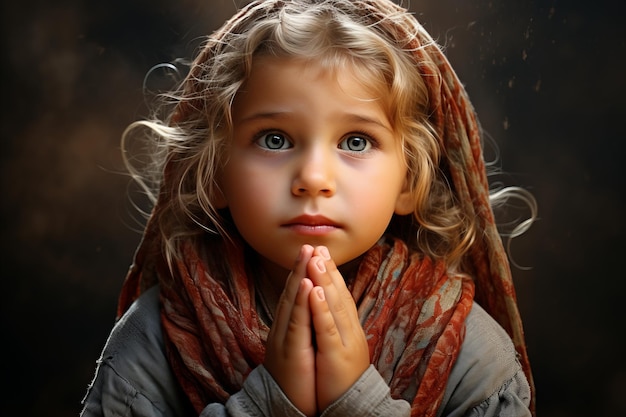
x,y
322,240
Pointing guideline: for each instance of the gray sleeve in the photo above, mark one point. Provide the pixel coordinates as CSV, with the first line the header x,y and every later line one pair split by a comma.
x,y
369,396
508,401
487,379
262,397
112,395
133,377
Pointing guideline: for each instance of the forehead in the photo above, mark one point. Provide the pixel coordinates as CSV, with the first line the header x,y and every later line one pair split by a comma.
x,y
363,80
304,91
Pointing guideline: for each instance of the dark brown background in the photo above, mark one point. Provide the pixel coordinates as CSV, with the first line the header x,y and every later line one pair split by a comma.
x,y
547,78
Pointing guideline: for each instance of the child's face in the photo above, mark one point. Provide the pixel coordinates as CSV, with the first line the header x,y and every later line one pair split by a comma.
x,y
313,159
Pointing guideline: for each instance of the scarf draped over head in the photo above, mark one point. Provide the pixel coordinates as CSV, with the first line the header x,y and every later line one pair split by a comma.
x,y
412,311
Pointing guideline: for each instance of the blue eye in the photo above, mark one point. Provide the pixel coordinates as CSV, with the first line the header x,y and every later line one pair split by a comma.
x,y
355,144
273,141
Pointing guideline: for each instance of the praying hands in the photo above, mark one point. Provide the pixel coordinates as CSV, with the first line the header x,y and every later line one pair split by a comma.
x,y
316,349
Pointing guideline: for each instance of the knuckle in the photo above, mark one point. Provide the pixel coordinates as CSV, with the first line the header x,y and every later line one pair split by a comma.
x,y
293,325
330,329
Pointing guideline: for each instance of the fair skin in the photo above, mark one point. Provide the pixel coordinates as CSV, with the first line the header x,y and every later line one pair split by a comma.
x,y
314,169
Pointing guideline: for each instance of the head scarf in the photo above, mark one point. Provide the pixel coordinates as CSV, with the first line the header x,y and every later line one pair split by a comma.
x,y
215,336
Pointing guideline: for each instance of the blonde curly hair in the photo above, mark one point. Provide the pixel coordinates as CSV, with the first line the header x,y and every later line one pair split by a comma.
x,y
378,39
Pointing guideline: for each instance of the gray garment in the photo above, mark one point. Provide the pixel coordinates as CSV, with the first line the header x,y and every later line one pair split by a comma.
x,y
133,378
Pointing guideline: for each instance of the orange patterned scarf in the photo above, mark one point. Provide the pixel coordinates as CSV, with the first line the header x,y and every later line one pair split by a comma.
x,y
412,312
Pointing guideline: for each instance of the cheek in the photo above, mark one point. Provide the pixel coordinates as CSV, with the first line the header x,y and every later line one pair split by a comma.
x,y
382,193
373,201
249,190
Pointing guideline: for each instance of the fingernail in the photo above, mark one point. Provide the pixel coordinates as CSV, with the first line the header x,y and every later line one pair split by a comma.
x,y
320,294
321,266
324,252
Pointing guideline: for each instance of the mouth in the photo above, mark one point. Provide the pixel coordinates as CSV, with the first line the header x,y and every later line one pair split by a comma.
x,y
311,225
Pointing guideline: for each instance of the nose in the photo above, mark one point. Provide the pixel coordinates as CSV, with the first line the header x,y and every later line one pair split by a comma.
x,y
314,174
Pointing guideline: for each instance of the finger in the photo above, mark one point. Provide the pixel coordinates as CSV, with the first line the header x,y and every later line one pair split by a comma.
x,y
288,296
327,335
298,335
337,280
342,309
333,272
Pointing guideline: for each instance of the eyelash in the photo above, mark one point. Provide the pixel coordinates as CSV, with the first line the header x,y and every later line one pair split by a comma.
x,y
374,143
263,133
365,135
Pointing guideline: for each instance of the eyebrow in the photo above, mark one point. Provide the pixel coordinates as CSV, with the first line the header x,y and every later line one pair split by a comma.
x,y
349,117
264,115
357,118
